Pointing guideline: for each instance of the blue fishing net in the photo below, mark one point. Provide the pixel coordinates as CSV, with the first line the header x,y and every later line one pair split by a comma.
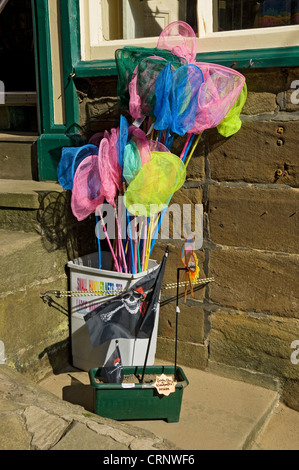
x,y
122,140
162,109
186,83
71,157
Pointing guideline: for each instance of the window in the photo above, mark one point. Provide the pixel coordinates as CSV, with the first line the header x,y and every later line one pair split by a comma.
x,y
220,25
247,14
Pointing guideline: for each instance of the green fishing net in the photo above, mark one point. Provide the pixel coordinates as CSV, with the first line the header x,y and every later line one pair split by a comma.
x,y
128,58
232,122
156,182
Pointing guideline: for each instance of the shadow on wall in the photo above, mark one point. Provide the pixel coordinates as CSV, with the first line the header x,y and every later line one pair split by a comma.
x,y
59,228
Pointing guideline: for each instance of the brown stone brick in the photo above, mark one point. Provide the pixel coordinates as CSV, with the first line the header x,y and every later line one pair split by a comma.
x,y
256,153
190,322
27,322
259,343
259,103
188,354
269,80
255,281
255,217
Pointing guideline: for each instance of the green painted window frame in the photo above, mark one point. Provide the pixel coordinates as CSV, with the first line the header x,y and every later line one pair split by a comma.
x,y
53,137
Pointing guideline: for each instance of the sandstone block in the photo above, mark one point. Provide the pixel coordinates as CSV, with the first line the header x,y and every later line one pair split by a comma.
x,y
255,281
255,342
13,433
261,152
36,325
190,322
269,80
188,354
260,103
254,217
25,260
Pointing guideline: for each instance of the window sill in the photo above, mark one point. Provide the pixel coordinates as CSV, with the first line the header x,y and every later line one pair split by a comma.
x,y
251,58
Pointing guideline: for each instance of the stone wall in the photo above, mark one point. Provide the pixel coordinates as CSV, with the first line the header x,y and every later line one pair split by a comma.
x,y
39,235
243,323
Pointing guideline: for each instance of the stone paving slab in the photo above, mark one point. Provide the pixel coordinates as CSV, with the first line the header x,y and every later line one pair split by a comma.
x,y
32,418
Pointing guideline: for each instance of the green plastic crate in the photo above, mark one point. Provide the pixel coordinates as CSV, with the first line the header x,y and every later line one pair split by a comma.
x,y
138,401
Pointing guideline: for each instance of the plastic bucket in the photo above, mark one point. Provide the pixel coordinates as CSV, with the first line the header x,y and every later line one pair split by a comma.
x,y
85,276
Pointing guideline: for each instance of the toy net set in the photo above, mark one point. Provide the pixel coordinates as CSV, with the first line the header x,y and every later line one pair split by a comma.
x,y
164,92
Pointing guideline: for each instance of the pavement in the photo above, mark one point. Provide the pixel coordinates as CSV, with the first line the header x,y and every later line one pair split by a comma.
x,y
217,413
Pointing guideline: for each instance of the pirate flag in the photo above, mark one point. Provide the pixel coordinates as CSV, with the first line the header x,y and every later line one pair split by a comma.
x,y
129,315
112,371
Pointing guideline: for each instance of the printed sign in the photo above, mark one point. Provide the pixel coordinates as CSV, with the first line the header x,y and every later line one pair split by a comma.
x,y
165,384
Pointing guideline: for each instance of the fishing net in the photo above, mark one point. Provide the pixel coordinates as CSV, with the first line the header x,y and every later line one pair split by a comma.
x,y
186,85
70,159
86,194
156,146
143,86
142,142
217,95
179,38
108,186
138,152
220,90
127,59
122,140
132,162
96,138
162,110
232,122
152,188
115,171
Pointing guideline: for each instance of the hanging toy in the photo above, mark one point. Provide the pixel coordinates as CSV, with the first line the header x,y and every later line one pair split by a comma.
x,y
190,262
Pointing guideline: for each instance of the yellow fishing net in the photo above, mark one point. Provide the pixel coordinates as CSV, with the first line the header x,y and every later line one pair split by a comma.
x,y
151,190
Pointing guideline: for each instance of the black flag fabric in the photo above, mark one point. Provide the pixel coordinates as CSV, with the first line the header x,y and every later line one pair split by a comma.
x,y
129,315
112,371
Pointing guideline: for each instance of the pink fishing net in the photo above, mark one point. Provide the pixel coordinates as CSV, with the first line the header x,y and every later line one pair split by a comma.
x,y
179,38
221,87
86,193
217,95
142,142
108,167
142,87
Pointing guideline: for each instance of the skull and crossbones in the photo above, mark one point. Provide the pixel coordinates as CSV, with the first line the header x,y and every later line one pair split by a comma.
x,y
132,303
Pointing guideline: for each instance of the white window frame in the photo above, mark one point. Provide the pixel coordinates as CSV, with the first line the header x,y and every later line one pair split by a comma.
x,y
94,48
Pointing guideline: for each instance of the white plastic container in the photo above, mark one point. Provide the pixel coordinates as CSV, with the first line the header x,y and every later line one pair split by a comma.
x,y
85,276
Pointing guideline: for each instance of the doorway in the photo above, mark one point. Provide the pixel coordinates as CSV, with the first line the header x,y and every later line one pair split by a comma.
x,y
18,113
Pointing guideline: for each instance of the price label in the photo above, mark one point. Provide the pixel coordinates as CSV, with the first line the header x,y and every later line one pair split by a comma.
x,y
165,384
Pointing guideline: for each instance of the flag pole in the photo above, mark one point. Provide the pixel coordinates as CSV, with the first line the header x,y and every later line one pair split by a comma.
x,y
177,311
162,267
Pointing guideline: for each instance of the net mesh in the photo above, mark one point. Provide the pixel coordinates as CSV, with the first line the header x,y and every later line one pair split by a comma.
x,y
162,110
179,38
155,183
86,194
70,159
142,142
142,87
232,122
122,140
220,90
127,59
186,85
132,161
